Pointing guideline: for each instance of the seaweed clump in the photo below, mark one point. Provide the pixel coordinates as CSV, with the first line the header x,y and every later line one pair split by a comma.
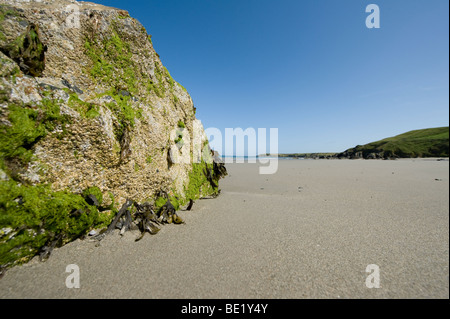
x,y
145,217
28,51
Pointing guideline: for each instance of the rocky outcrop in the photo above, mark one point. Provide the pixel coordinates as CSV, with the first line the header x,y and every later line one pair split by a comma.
x,y
353,153
86,104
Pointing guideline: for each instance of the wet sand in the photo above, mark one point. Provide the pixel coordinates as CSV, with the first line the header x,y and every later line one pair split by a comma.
x,y
308,231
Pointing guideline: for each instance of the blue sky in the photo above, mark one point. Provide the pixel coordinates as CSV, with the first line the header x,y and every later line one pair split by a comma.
x,y
310,68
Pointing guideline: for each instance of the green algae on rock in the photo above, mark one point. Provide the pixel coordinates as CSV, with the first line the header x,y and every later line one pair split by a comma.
x,y
36,215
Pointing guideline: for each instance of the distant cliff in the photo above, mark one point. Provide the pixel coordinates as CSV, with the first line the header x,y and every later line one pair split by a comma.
x,y
433,142
89,117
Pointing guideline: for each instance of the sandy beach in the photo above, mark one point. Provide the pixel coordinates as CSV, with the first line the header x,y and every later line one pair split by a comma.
x,y
308,231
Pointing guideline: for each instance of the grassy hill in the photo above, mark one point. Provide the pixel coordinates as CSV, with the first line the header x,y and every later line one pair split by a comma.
x,y
433,142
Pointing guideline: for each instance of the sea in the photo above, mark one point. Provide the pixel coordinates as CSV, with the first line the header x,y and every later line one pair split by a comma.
x,y
254,159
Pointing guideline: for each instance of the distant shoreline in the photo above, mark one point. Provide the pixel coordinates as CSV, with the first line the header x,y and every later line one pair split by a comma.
x,y
315,156
331,156
301,155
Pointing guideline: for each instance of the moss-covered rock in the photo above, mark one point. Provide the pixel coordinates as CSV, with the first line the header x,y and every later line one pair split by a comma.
x,y
94,114
26,125
36,215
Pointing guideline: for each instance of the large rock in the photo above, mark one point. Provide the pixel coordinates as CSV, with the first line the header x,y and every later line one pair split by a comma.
x,y
122,102
86,102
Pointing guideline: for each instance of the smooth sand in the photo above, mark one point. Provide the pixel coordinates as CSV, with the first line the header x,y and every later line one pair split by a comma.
x,y
308,231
